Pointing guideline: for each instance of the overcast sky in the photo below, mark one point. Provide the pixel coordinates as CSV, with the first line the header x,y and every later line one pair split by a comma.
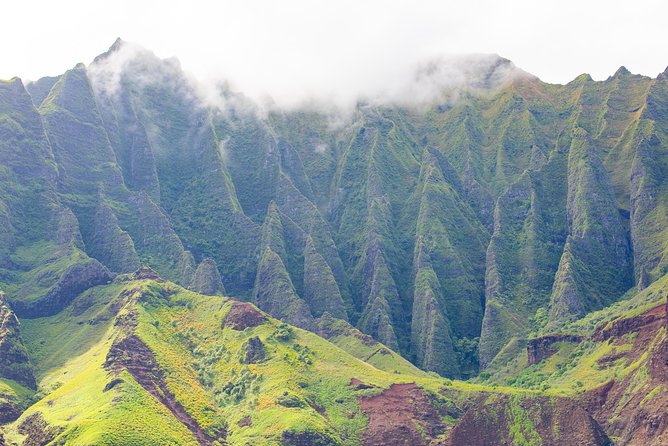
x,y
303,47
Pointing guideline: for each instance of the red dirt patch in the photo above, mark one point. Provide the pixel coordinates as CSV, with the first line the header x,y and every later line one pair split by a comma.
x,y
558,421
647,321
243,315
399,416
644,418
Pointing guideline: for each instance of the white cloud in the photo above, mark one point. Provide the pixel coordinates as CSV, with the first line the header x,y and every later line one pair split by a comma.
x,y
293,50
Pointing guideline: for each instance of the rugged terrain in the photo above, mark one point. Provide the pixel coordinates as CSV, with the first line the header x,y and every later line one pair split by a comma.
x,y
509,231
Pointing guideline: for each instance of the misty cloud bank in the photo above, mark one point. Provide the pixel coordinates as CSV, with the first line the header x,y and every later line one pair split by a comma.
x,y
439,80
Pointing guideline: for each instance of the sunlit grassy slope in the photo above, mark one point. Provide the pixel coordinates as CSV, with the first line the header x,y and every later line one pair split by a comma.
x,y
300,383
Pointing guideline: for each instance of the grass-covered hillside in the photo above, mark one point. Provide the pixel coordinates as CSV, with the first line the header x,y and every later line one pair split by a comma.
x,y
144,361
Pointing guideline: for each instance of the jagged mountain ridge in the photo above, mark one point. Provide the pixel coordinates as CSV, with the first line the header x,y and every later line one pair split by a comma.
x,y
428,228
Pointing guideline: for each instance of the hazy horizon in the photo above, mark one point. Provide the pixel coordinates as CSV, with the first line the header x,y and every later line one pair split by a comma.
x,y
298,50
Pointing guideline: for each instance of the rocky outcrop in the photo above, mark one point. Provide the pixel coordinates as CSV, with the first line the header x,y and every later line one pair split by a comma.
x,y
10,410
307,438
75,280
632,408
542,348
650,320
14,360
255,351
502,420
206,279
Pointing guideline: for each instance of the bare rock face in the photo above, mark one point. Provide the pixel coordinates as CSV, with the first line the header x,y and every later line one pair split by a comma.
x,y
206,279
14,361
542,348
144,272
75,280
640,396
307,438
401,415
9,411
511,420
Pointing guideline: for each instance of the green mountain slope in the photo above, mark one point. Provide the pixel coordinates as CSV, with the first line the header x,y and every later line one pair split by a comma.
x,y
153,363
405,238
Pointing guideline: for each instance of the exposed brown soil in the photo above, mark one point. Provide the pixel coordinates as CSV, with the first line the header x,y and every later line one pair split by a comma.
x,y
399,416
558,421
624,407
243,315
649,321
134,356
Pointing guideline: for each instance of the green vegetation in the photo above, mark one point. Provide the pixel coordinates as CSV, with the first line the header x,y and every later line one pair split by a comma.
x,y
420,243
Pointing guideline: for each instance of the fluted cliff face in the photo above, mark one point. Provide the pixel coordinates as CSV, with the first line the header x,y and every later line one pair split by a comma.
x,y
435,230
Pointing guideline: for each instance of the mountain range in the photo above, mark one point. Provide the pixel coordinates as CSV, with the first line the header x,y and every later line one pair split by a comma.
x,y
181,266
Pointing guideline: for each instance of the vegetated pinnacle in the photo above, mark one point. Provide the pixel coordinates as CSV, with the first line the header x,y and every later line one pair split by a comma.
x,y
584,77
621,71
